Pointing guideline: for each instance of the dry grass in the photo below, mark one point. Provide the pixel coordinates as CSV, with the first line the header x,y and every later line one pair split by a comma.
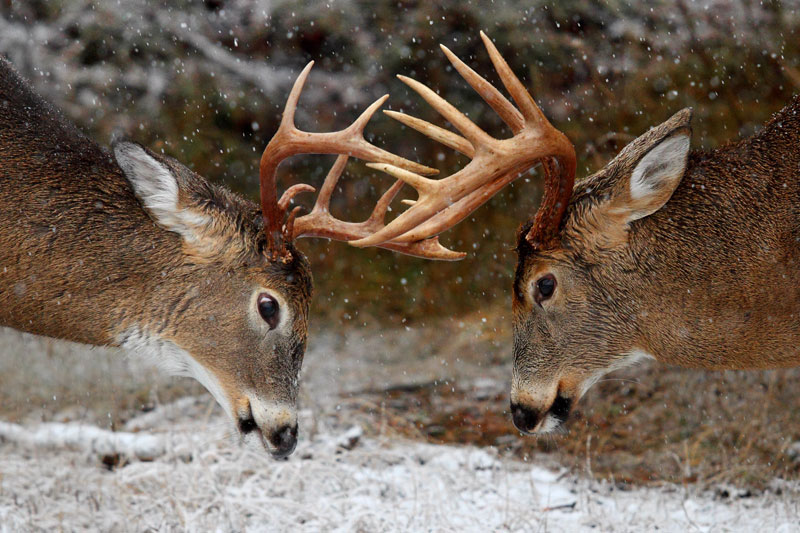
x,y
45,379
646,425
446,382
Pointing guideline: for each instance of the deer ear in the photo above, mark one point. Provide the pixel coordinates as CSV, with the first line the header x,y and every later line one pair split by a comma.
x,y
657,175
158,187
651,167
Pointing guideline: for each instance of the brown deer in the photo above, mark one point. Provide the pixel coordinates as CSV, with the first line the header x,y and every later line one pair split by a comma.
x,y
133,249
692,259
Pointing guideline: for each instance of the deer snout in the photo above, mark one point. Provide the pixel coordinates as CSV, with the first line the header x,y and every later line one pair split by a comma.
x,y
536,417
274,424
524,418
531,420
283,441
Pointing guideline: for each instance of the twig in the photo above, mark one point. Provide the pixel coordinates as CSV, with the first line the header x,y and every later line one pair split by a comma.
x,y
562,506
274,82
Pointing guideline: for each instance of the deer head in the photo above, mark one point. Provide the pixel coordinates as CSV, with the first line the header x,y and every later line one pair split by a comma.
x,y
221,311
564,339
573,321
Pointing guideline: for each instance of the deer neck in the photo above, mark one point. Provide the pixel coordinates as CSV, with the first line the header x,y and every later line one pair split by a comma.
x,y
80,257
719,266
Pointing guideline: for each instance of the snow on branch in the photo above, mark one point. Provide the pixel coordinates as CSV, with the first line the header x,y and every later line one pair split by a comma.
x,y
274,82
85,438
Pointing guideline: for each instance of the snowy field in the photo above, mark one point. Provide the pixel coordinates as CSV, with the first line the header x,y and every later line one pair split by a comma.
x,y
178,467
195,477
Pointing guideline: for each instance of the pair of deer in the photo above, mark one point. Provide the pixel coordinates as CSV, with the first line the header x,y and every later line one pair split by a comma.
x,y
690,258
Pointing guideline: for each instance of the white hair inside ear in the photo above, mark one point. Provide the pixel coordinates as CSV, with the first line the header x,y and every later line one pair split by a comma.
x,y
657,175
157,189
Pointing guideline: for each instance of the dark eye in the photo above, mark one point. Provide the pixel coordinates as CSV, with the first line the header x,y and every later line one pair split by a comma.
x,y
545,288
268,309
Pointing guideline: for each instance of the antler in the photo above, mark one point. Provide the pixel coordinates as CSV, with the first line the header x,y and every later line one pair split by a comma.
x,y
320,223
289,141
495,162
441,203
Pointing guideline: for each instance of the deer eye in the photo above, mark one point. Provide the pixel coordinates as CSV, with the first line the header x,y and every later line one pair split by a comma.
x,y
545,287
268,309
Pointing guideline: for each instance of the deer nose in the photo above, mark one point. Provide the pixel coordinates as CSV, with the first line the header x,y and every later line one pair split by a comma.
x,y
524,418
283,441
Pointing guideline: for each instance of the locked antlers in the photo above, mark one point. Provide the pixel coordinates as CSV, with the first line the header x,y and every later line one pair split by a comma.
x,y
495,162
442,203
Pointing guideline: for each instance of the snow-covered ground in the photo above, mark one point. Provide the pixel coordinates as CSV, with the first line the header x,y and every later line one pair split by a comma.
x,y
197,478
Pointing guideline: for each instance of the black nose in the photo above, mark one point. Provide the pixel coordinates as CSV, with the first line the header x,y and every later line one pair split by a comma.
x,y
525,419
283,441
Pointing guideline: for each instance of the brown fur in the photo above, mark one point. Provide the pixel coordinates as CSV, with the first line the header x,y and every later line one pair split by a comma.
x,y
709,280
82,260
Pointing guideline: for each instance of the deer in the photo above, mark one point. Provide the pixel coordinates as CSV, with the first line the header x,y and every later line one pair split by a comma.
x,y
689,258
130,248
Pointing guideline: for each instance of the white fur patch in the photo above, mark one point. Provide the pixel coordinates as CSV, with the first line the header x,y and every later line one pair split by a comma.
x,y
663,166
637,355
173,360
269,417
547,424
631,358
157,189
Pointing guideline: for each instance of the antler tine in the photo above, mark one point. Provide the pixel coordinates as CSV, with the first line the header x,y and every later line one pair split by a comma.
x,y
468,129
362,120
287,120
510,115
422,185
291,192
382,206
512,84
288,228
323,202
441,135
